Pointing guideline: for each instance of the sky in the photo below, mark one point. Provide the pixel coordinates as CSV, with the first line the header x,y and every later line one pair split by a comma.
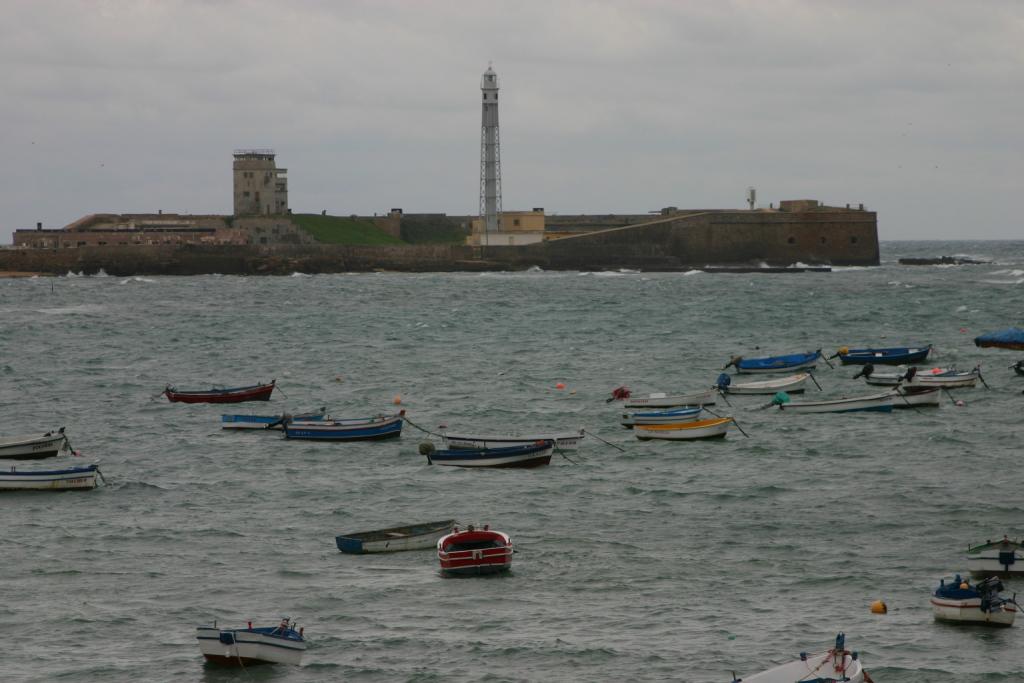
x,y
913,108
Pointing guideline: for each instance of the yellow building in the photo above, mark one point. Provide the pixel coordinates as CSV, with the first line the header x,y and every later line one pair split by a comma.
x,y
515,228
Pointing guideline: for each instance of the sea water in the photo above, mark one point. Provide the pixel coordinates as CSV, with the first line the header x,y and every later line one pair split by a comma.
x,y
660,561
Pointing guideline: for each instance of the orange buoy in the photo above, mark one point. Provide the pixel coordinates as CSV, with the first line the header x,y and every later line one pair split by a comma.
x,y
397,400
560,386
879,607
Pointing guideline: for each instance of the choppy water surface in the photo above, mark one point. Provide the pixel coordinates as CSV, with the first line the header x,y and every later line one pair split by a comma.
x,y
671,561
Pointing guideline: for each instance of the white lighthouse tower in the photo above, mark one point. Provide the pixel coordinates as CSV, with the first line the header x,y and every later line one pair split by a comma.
x,y
490,155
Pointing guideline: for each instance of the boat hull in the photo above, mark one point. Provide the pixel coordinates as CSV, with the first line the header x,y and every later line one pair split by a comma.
x,y
698,429
258,392
660,417
532,455
703,398
817,667
1003,558
32,447
878,403
395,539
68,479
890,356
777,364
370,430
563,440
949,380
242,647
274,422
969,611
912,398
474,553
791,385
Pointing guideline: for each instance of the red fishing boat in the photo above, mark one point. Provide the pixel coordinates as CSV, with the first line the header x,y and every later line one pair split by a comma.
x,y
474,552
256,392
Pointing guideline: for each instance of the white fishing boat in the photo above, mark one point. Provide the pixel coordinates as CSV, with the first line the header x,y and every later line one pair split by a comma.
x,y
662,400
30,447
874,402
281,644
837,664
684,431
959,601
64,479
948,378
792,384
660,417
564,441
912,397
1004,558
395,539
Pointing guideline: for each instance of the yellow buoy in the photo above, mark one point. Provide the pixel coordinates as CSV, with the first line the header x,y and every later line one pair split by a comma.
x,y
964,586
879,607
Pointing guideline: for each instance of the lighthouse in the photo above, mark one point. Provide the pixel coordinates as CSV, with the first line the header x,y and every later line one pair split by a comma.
x,y
490,154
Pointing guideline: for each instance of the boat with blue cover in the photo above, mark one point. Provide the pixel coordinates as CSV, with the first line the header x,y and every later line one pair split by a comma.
x,y
981,603
281,644
409,537
832,666
768,364
275,422
354,429
528,455
893,355
660,417
64,479
1010,338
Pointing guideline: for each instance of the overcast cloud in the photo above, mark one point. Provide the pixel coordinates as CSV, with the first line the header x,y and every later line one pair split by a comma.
x,y
915,109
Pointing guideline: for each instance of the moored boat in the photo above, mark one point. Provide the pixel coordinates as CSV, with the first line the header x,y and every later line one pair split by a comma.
x,y
1018,367
65,479
979,604
949,378
474,552
1010,338
785,363
32,447
524,455
793,384
831,666
684,431
395,539
354,429
663,400
1003,558
894,355
281,644
913,397
274,422
875,402
256,392
660,417
563,440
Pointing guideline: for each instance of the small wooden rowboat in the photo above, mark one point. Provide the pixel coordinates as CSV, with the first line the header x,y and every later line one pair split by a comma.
x,y
281,644
793,384
525,455
563,440
980,604
837,664
355,429
1004,558
660,417
684,431
395,539
936,377
875,402
661,400
787,363
66,479
256,392
895,355
474,552
275,422
32,447
913,397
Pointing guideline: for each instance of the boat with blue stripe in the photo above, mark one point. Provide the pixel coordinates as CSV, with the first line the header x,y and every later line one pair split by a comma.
x,y
893,355
529,455
282,644
657,417
785,363
354,429
66,479
275,422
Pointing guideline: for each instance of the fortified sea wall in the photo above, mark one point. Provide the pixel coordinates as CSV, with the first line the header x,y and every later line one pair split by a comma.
x,y
677,242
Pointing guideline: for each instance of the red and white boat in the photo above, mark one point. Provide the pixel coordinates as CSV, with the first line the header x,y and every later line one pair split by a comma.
x,y
474,552
256,392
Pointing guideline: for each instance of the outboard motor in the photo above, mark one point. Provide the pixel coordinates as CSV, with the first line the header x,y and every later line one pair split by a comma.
x,y
909,377
723,381
865,371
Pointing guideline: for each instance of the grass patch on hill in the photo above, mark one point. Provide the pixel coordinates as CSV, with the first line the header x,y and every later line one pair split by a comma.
x,y
342,230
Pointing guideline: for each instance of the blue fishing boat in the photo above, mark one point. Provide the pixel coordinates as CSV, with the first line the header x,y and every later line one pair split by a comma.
x,y
275,422
657,417
530,455
65,479
895,355
787,363
355,429
1010,338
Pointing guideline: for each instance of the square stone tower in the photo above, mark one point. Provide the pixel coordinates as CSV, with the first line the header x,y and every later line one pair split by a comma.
x,y
261,188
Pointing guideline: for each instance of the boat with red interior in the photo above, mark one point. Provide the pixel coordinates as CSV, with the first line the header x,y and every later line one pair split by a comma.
x,y
473,552
256,392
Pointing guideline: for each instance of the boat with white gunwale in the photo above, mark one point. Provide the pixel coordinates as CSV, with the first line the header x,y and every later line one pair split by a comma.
x,y
684,431
353,429
832,666
793,384
273,422
474,552
281,644
568,440
660,417
664,400
522,455
1002,558
64,479
856,404
958,601
948,378
33,447
395,539
913,397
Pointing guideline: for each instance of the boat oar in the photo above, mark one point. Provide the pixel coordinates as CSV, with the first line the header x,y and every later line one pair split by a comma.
x,y
722,394
909,404
602,440
814,380
562,453
731,418
825,359
978,368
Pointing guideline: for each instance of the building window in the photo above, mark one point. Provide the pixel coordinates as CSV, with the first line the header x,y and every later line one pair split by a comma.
x,y
515,222
823,240
792,240
853,239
